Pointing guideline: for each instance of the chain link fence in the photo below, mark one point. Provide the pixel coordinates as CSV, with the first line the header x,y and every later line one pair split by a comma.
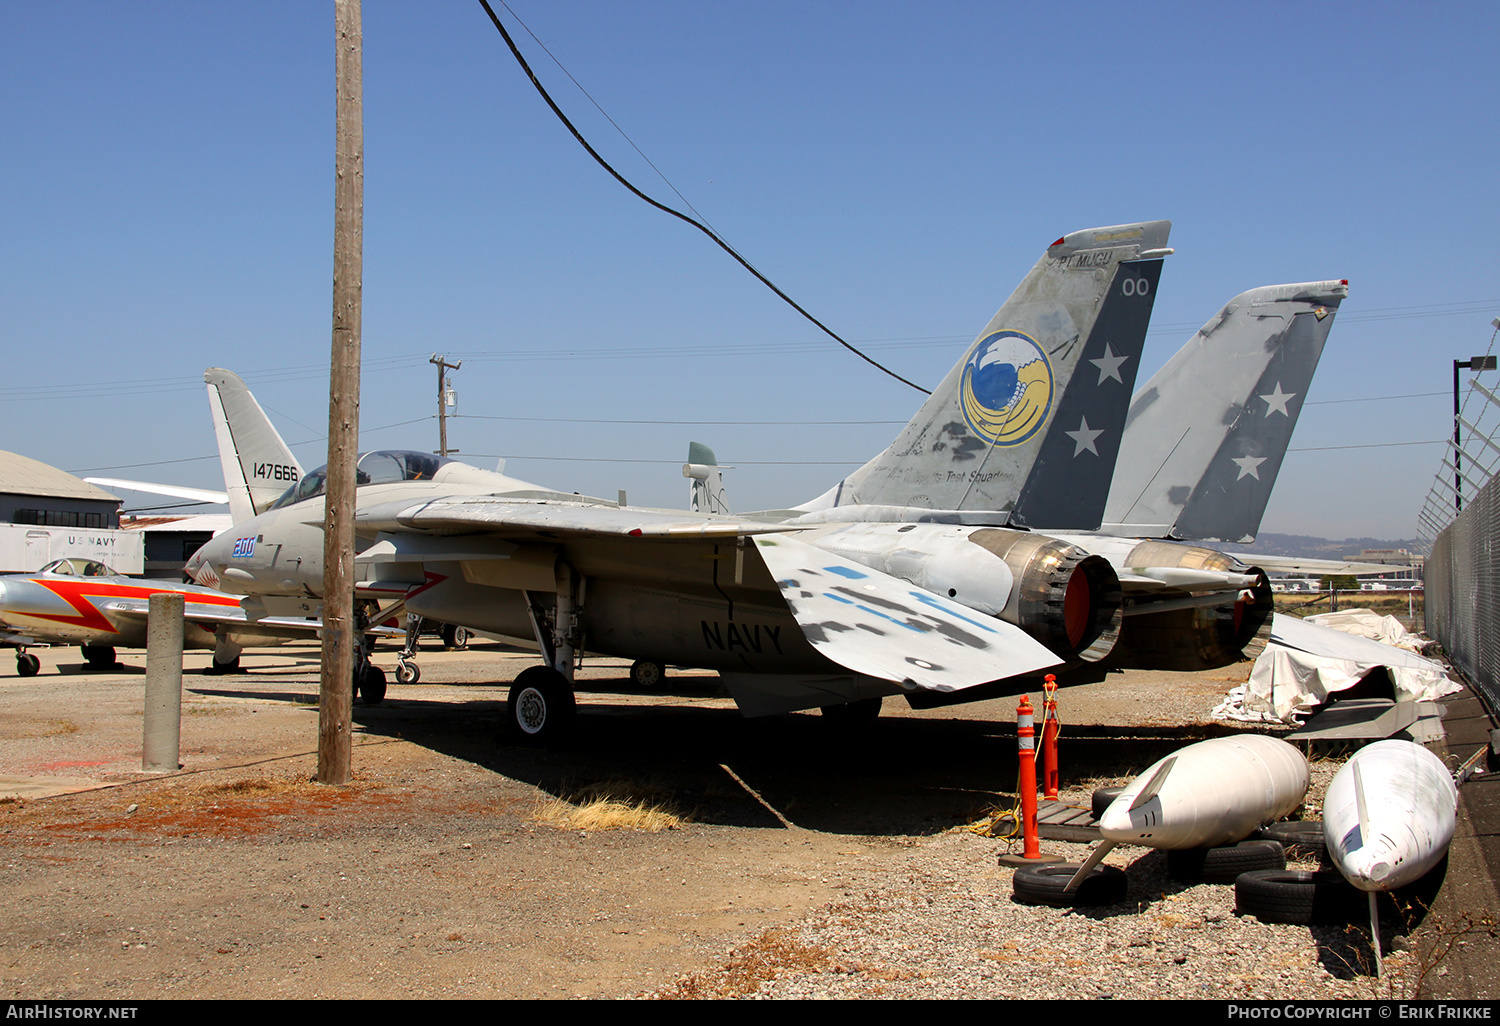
x,y
1463,591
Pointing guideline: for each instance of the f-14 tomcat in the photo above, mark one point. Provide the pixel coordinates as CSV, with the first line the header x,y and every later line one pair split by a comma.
x,y
83,602
1201,449
948,589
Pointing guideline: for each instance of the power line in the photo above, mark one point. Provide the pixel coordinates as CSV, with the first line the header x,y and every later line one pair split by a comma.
x,y
516,52
691,423
1372,398
666,463
1369,445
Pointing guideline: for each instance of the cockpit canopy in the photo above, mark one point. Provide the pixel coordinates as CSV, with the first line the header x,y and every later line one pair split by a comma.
x,y
73,566
384,466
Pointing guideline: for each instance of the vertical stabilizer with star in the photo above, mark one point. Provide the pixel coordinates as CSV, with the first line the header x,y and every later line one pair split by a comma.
x,y
1207,434
1025,428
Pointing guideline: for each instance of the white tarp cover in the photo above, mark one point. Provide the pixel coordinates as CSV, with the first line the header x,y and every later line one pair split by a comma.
x,y
1367,623
1305,662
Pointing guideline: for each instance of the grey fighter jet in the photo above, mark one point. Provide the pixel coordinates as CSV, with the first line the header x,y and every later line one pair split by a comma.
x,y
1200,453
913,574
1202,448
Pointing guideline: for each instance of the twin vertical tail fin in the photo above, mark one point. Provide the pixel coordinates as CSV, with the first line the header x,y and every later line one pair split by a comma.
x,y
1207,434
258,466
1026,427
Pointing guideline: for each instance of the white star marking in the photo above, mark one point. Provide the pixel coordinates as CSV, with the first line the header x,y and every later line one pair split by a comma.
x,y
1083,438
1109,365
1250,466
1276,401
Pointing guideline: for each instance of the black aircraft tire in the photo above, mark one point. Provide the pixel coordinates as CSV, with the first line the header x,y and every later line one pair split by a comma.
x,y
408,673
232,666
646,674
1044,885
455,638
1295,833
372,685
865,710
540,706
99,657
1297,896
1223,864
27,664
1103,798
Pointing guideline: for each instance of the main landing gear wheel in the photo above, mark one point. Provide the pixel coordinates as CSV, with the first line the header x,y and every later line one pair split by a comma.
x,y
99,657
865,710
407,672
372,685
455,638
646,674
229,666
541,704
27,664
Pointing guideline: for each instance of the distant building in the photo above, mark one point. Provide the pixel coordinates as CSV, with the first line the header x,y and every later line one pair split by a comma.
x,y
46,513
1409,562
170,541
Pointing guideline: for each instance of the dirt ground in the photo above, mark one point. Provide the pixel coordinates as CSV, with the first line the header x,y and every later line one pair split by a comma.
x,y
433,873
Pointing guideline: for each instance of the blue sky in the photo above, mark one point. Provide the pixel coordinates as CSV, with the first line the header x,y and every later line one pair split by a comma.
x,y
166,204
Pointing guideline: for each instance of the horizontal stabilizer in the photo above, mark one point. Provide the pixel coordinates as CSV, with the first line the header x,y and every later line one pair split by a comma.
x,y
878,625
1298,565
173,491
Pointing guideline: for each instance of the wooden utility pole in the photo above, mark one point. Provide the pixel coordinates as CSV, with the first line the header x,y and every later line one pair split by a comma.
x,y
443,367
339,635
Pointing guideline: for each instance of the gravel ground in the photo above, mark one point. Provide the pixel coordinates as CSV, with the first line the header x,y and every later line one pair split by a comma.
x,y
941,923
810,865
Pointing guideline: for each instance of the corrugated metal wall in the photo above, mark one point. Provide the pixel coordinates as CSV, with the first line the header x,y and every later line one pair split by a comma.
x,y
1463,591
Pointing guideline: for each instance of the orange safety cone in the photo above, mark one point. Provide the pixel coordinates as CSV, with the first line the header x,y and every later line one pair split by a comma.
x,y
1051,727
1026,747
1031,850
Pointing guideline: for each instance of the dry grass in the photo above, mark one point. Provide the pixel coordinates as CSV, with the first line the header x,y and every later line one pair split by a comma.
x,y
239,808
1383,603
40,728
770,955
260,787
606,813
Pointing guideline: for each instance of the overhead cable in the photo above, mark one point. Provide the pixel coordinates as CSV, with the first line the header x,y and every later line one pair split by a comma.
x,y
515,51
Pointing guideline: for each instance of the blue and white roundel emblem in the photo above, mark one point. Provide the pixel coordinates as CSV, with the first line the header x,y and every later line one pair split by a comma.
x,y
1007,388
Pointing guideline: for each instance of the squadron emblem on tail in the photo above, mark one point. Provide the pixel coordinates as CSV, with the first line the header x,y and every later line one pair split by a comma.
x,y
1007,388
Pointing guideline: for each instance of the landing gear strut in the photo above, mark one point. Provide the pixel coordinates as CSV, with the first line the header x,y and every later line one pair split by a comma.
x,y
407,670
369,679
541,705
